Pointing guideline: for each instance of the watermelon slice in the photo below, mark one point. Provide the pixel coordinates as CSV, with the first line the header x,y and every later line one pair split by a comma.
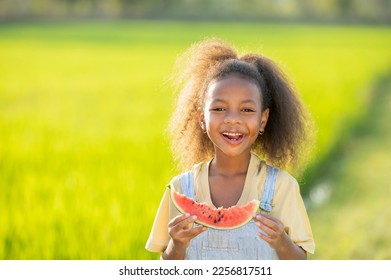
x,y
217,218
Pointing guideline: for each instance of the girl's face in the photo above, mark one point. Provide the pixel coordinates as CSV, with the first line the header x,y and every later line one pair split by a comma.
x,y
232,115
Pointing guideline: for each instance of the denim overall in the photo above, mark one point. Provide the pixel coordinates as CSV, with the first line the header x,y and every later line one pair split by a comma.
x,y
235,244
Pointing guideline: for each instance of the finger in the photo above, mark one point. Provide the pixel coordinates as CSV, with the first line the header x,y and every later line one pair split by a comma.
x,y
259,217
269,217
196,231
269,222
181,227
256,217
265,237
267,230
186,223
178,219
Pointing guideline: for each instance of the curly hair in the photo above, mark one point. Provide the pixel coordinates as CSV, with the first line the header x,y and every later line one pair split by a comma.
x,y
286,134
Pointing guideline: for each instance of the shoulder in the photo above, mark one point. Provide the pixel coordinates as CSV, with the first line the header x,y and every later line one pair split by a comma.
x,y
286,185
284,178
287,192
283,184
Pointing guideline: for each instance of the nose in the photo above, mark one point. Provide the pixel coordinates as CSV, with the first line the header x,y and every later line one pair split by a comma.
x,y
232,117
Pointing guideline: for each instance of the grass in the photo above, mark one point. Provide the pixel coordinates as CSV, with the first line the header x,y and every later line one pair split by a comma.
x,y
83,108
353,223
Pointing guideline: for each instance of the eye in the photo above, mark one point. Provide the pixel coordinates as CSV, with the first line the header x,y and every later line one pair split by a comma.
x,y
248,110
217,109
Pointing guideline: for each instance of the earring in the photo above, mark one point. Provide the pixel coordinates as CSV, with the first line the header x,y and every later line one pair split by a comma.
x,y
202,124
261,132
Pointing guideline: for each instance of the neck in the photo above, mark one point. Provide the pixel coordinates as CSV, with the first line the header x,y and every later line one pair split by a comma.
x,y
226,165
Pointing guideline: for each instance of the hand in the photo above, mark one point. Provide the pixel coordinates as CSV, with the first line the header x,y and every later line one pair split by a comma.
x,y
273,231
275,235
181,231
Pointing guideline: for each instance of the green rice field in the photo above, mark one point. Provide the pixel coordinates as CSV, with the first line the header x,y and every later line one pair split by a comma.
x,y
84,158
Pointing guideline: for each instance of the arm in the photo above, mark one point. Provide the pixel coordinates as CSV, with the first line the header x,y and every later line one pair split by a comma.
x,y
181,233
278,239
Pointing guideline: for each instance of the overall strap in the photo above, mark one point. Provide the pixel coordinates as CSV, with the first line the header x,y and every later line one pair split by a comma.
x,y
268,188
187,183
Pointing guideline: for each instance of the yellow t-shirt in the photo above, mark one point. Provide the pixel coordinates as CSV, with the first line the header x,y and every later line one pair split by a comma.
x,y
287,204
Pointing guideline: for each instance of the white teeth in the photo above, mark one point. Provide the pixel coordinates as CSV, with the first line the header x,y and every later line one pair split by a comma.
x,y
232,134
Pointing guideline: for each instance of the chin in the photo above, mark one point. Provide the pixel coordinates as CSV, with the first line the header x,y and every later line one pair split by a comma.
x,y
234,154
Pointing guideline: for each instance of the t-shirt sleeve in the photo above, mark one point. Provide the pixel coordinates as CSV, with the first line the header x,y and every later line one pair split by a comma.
x,y
159,237
290,209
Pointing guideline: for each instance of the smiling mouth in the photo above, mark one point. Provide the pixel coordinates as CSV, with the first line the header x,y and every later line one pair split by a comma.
x,y
233,136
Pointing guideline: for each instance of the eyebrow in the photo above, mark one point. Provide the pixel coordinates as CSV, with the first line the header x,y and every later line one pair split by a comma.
x,y
244,101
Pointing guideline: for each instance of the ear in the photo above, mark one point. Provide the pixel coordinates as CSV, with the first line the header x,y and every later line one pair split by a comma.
x,y
201,118
264,118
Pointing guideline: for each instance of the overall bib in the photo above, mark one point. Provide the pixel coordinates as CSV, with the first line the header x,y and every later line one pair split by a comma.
x,y
235,244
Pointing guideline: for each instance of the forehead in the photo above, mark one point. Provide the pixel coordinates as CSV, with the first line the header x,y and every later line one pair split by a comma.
x,y
233,88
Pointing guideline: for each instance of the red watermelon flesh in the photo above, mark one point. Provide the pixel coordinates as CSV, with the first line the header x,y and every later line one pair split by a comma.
x,y
218,218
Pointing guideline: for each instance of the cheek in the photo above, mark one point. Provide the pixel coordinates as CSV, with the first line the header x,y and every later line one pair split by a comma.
x,y
209,117
206,118
210,122
257,123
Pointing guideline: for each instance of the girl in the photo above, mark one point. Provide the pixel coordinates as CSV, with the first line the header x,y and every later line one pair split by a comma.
x,y
232,112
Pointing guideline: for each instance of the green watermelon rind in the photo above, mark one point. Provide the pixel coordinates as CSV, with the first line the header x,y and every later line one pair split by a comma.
x,y
255,203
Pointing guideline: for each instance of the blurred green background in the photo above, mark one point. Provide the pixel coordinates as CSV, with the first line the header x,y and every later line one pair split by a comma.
x,y
84,103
